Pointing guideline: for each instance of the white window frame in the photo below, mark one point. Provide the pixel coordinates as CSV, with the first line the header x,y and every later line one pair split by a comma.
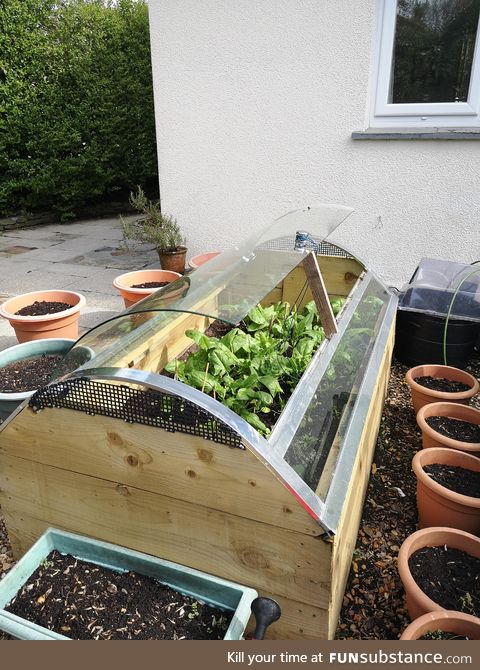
x,y
429,115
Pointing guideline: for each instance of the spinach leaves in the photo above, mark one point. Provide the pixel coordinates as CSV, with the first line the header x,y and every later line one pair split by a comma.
x,y
254,369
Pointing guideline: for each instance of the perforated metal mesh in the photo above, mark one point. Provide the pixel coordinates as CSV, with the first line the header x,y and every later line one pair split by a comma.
x,y
287,243
148,407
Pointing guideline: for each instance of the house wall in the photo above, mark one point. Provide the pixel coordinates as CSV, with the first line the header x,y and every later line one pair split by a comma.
x,y
255,105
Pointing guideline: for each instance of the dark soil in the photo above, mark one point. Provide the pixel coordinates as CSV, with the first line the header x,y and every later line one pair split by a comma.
x,y
84,601
28,374
442,635
449,577
150,284
218,329
442,384
463,481
42,308
463,431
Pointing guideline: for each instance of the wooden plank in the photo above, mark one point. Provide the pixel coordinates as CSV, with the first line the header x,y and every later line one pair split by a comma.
x,y
320,295
347,531
339,275
177,465
34,496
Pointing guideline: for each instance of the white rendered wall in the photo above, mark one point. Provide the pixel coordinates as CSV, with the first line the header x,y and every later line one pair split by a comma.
x,y
255,103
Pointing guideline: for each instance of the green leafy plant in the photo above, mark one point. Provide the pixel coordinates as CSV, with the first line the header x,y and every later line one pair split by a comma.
x,y
155,228
466,604
254,370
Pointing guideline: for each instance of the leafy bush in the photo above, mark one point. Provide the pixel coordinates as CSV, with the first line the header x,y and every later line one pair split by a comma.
x,y
76,103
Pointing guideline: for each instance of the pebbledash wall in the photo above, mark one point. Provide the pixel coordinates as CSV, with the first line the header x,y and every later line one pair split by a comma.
x,y
256,102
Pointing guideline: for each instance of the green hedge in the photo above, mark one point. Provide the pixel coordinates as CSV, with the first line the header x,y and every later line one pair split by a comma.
x,y
76,103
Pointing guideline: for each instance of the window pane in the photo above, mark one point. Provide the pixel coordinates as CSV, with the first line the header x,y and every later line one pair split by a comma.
x,y
433,50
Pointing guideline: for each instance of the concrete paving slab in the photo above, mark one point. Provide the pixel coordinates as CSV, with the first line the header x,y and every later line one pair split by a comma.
x,y
70,269
60,252
40,236
36,280
113,257
101,280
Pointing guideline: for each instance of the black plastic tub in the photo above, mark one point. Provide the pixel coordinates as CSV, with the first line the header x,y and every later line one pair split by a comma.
x,y
419,339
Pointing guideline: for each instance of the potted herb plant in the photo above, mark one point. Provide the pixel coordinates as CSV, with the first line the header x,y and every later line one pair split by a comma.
x,y
160,230
448,489
44,314
443,625
75,587
440,570
448,424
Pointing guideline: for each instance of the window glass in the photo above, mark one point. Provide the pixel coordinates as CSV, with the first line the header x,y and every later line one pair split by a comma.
x,y
433,50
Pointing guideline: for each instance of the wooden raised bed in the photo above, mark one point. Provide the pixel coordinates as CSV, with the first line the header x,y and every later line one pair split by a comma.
x,y
240,513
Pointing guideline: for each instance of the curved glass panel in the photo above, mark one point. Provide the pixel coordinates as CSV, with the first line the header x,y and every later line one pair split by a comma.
x,y
226,288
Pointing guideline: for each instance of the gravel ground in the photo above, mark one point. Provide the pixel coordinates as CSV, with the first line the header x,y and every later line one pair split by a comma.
x,y
373,606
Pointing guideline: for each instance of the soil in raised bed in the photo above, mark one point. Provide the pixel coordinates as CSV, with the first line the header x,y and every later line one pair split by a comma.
x,y
450,577
28,374
84,601
456,429
463,481
442,384
43,307
150,284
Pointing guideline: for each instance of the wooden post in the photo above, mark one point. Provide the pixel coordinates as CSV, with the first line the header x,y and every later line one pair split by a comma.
x,y
320,295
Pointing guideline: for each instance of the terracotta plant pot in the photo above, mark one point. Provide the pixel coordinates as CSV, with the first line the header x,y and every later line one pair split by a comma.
x,y
60,325
418,602
173,260
196,261
438,505
132,295
20,352
431,438
423,396
463,625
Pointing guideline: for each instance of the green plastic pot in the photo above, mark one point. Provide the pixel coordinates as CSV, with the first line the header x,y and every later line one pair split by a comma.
x,y
212,590
10,401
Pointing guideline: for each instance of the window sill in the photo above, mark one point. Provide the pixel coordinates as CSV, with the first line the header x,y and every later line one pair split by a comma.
x,y
417,134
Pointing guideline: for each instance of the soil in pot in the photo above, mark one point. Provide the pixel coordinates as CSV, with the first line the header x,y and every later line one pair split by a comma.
x,y
150,284
84,601
442,635
28,374
43,307
463,481
456,429
441,384
449,577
